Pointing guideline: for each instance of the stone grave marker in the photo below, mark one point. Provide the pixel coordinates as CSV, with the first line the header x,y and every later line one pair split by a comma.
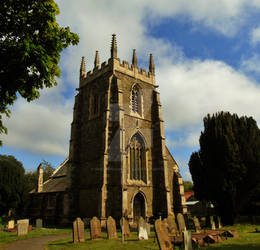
x,y
142,230
196,224
219,223
181,222
125,227
95,228
78,231
187,240
22,227
203,222
162,236
10,224
38,223
111,228
173,230
165,222
212,223
148,227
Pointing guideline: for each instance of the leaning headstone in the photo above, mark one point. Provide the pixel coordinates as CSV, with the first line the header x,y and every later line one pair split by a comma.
x,y
111,228
148,227
212,222
39,223
165,222
219,223
187,240
142,230
95,228
22,227
10,224
203,222
181,222
162,236
173,230
125,227
196,224
78,231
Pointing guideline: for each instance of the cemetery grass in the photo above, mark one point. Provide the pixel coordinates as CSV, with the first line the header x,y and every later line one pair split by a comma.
x,y
131,243
248,239
7,237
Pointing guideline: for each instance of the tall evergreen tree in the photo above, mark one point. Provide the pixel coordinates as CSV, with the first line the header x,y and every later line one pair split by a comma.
x,y
11,183
226,169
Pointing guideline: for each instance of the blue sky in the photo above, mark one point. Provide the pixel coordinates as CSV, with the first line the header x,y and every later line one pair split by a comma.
x,y
206,58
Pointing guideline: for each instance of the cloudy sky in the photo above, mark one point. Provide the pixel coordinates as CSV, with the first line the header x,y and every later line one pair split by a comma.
x,y
207,59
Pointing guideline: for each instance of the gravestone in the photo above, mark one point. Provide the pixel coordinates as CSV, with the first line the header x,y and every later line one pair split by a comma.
x,y
165,223
142,230
219,223
196,224
111,228
22,227
212,223
162,236
10,224
78,231
181,222
148,227
39,223
173,230
203,222
125,227
95,228
187,240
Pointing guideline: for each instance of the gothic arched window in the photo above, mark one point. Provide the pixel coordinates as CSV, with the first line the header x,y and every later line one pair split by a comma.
x,y
137,158
95,105
136,100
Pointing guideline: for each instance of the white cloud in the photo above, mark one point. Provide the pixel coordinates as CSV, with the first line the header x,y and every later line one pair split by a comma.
x,y
190,139
189,89
255,35
41,127
251,64
184,169
95,21
192,89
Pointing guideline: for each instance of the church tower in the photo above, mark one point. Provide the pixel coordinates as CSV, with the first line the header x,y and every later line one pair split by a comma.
x,y
120,165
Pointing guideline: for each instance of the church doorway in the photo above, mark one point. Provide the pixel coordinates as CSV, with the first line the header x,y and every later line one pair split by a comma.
x,y
139,207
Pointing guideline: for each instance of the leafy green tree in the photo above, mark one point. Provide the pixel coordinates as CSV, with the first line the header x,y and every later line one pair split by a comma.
x,y
226,169
11,183
48,170
31,177
188,185
30,45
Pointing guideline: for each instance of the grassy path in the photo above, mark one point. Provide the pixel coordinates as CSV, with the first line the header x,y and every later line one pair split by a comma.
x,y
8,237
37,243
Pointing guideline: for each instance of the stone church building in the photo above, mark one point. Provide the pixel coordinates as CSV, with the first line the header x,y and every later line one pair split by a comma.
x,y
118,162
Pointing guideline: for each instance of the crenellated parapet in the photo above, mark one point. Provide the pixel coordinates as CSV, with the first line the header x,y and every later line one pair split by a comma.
x,y
114,65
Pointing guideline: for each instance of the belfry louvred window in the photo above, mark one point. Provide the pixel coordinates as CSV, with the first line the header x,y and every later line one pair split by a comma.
x,y
137,158
136,100
95,105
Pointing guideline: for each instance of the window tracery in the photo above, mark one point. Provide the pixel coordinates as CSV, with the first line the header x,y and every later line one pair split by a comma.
x,y
136,100
137,159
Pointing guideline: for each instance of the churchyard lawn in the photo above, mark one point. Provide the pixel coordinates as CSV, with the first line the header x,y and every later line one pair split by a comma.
x,y
248,239
131,243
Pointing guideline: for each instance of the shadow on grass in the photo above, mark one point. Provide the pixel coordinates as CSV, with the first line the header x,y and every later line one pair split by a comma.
x,y
237,247
61,244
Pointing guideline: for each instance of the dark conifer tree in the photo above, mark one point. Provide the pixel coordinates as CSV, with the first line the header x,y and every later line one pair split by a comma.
x,y
11,183
226,170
